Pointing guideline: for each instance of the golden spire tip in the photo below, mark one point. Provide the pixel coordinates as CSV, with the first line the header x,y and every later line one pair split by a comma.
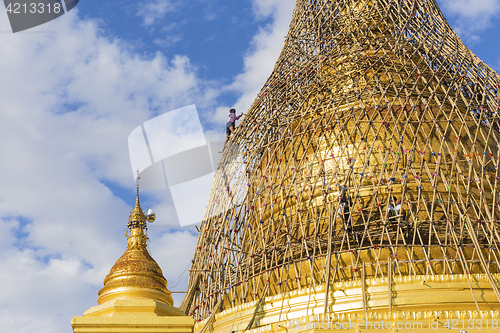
x,y
137,217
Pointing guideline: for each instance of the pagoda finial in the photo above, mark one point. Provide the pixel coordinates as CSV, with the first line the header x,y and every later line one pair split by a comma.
x,y
137,184
137,217
136,274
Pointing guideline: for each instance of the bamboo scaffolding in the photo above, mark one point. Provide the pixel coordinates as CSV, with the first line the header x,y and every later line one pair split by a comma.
x,y
376,134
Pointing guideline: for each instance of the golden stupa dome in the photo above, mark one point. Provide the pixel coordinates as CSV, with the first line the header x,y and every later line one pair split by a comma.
x,y
136,273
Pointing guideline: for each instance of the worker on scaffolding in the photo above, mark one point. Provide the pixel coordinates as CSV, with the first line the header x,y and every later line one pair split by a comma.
x,y
344,209
391,211
400,211
397,213
231,124
402,219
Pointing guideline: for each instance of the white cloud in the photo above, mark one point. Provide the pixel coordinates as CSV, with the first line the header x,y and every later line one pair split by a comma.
x,y
470,17
69,101
475,9
263,53
167,41
258,62
153,10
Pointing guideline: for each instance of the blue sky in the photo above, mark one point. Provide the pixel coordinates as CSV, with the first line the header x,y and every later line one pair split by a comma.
x,y
215,34
71,92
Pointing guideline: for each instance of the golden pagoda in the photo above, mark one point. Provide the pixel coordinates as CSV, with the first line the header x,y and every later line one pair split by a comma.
x,y
361,186
135,298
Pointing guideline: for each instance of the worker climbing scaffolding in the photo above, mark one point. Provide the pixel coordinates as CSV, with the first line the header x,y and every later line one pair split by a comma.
x,y
344,211
392,211
231,124
406,225
397,214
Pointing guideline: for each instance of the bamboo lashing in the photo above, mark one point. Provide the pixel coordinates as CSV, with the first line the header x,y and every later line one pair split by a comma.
x,y
377,134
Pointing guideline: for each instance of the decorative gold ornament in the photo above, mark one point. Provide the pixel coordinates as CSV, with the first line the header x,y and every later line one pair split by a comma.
x,y
150,216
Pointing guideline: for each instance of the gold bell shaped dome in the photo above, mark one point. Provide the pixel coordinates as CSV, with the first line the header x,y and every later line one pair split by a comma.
x,y
136,274
135,298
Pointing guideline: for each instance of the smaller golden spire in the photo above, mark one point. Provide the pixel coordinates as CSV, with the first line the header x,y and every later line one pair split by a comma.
x,y
136,273
137,217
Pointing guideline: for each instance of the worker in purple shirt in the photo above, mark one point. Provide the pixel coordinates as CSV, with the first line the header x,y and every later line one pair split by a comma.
x,y
230,126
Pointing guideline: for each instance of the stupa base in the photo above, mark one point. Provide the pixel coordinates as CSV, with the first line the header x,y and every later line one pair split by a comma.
x,y
419,304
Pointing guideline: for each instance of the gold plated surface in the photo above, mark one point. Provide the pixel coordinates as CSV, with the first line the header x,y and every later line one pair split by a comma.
x,y
421,299
135,298
137,216
136,273
373,147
